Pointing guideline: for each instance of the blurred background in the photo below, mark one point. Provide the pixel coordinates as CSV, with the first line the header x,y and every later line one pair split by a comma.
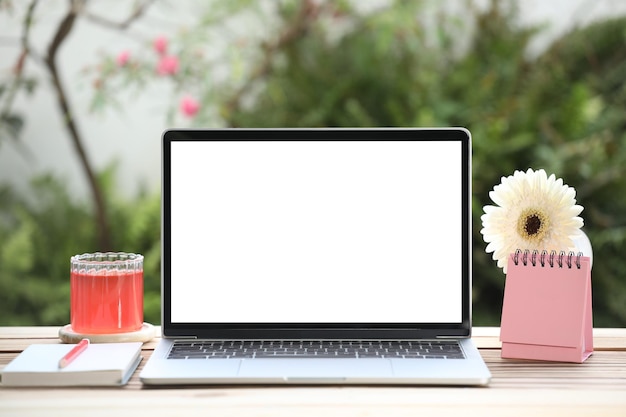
x,y
87,87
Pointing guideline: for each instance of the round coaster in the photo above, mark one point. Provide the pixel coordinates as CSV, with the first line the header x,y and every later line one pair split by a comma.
x,y
145,334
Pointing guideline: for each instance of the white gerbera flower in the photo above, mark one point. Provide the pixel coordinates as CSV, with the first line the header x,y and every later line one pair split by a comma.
x,y
533,212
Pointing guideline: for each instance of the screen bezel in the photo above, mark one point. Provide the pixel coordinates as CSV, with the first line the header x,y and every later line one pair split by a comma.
x,y
316,330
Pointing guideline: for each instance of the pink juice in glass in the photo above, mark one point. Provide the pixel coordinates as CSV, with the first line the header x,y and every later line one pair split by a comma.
x,y
106,301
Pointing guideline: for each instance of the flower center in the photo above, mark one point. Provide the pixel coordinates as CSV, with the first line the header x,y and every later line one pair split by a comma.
x,y
532,224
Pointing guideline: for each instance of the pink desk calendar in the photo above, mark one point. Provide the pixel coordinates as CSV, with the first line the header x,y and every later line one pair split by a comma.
x,y
546,311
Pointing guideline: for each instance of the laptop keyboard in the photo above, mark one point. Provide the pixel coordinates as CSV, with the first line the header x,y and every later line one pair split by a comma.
x,y
238,349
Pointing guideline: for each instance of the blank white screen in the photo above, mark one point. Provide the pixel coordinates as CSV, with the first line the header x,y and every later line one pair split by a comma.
x,y
316,232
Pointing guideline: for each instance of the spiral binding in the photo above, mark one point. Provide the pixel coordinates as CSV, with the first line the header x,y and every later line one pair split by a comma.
x,y
561,259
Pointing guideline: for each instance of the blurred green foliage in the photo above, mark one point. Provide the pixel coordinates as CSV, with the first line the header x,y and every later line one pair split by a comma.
x,y
563,111
404,65
39,235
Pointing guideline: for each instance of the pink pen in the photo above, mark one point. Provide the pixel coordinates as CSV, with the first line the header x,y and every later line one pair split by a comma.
x,y
73,354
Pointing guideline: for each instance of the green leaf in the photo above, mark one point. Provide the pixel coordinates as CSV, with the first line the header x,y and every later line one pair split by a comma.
x,y
12,124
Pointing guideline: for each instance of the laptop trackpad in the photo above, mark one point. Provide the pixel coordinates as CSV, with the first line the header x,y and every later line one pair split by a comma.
x,y
300,370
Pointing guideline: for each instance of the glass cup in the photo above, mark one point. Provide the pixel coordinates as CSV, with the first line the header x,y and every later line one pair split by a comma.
x,y
106,293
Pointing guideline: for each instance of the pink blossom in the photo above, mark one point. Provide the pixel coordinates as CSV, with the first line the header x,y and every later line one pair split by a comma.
x,y
122,58
160,45
168,65
189,106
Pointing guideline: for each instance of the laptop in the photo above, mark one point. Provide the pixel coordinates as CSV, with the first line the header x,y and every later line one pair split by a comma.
x,y
316,256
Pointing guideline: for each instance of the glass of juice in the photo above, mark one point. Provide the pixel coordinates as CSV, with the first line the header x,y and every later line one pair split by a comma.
x,y
106,292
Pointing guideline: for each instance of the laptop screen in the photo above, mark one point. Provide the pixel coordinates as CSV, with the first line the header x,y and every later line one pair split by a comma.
x,y
302,228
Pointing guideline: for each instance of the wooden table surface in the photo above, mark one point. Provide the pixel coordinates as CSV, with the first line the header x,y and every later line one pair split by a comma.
x,y
518,388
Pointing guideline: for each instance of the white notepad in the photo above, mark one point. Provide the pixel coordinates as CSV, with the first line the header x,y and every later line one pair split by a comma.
x,y
99,365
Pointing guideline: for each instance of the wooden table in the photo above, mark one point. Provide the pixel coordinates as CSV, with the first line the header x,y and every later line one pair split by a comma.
x,y
518,388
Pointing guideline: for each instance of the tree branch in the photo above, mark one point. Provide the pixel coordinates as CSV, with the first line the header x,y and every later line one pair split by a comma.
x,y
64,29
18,68
306,15
138,12
26,27
19,65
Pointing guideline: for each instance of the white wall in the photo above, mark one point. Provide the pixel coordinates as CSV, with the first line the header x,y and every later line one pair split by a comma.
x,y
133,136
